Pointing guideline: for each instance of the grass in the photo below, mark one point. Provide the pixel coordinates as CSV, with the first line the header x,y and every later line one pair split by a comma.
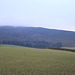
x,y
73,48
15,60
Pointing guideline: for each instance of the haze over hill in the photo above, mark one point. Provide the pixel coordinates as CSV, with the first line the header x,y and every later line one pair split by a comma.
x,y
55,14
67,38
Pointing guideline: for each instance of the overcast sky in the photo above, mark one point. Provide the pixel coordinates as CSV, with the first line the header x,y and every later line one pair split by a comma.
x,y
54,14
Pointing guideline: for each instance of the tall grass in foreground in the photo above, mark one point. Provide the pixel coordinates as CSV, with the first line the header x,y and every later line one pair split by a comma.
x,y
29,61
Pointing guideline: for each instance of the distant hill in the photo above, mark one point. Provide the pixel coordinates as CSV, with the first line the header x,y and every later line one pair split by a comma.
x,y
37,34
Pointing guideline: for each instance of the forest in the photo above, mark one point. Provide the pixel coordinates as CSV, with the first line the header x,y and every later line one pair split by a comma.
x,y
33,44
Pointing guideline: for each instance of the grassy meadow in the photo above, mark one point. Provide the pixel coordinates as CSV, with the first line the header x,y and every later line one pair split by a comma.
x,y
15,60
73,48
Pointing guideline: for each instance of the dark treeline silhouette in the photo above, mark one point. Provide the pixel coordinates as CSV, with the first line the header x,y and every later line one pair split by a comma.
x,y
33,44
63,49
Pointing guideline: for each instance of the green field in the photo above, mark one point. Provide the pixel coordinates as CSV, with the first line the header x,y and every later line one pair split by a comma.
x,y
73,48
15,60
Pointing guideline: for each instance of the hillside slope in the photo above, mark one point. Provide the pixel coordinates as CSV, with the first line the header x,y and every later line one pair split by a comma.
x,y
36,33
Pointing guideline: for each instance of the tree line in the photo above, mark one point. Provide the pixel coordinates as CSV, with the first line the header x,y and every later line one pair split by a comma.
x,y
33,44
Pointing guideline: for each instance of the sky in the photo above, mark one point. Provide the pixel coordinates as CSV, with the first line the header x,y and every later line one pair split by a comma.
x,y
53,14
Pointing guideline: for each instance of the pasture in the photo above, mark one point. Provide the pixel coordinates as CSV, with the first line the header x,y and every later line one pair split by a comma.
x,y
15,60
73,48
